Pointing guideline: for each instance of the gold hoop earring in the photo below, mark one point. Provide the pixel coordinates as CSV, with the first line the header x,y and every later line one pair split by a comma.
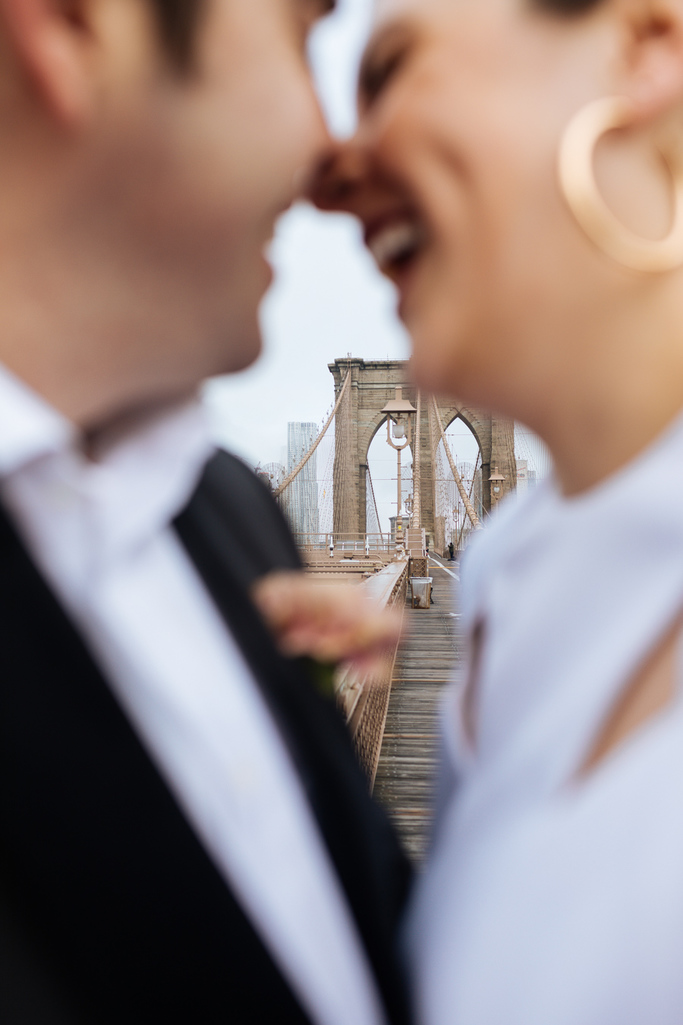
x,y
580,190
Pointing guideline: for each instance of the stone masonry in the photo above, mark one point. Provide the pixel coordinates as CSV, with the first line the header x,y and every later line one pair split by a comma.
x,y
373,384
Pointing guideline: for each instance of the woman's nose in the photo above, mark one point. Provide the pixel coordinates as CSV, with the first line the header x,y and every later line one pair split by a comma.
x,y
337,181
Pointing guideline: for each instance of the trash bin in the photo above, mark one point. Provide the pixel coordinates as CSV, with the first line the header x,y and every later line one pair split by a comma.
x,y
421,591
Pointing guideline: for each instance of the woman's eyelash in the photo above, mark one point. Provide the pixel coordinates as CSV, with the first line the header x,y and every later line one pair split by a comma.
x,y
375,75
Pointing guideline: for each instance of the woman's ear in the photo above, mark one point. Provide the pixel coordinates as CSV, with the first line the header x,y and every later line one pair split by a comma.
x,y
651,68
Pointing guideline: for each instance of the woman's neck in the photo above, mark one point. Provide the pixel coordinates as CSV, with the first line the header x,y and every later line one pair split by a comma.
x,y
615,398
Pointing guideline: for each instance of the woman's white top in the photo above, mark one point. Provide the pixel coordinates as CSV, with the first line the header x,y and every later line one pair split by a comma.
x,y
551,900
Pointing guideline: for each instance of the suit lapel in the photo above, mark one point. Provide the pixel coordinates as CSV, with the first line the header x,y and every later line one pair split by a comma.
x,y
372,869
120,900
105,875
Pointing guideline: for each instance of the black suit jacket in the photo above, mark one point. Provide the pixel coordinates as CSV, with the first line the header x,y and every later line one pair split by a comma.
x,y
111,911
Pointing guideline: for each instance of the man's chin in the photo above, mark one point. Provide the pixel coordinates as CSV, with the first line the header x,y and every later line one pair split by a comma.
x,y
240,353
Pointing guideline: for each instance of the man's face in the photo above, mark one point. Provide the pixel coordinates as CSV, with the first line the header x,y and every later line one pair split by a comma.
x,y
191,172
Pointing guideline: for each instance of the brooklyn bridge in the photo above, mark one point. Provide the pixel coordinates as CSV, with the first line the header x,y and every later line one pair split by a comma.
x,y
413,565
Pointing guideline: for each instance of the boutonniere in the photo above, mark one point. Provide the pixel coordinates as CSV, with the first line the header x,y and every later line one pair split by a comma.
x,y
327,625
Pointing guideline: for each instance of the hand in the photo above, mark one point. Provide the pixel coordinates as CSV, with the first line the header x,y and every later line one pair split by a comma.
x,y
331,623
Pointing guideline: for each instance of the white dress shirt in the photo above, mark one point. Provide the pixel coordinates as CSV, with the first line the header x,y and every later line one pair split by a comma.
x,y
100,532
554,898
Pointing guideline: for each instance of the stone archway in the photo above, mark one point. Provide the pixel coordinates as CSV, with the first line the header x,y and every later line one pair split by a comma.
x,y
372,385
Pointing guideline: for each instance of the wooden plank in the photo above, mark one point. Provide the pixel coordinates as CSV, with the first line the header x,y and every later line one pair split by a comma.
x,y
405,781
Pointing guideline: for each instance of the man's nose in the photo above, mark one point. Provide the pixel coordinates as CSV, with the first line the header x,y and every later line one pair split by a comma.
x,y
337,181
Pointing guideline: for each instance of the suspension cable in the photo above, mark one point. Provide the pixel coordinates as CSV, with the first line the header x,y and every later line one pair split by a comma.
x,y
299,467
474,477
374,500
469,508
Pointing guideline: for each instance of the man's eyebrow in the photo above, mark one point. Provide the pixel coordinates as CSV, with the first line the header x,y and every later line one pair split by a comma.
x,y
321,7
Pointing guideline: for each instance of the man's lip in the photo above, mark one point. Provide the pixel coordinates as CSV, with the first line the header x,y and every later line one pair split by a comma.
x,y
277,211
404,288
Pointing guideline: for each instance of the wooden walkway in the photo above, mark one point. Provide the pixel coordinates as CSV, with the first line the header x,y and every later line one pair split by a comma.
x,y
407,765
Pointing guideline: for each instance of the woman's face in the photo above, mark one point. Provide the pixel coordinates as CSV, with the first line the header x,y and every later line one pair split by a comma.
x,y
453,173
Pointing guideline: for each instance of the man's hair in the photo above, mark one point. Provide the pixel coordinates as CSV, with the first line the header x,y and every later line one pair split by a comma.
x,y
567,6
178,21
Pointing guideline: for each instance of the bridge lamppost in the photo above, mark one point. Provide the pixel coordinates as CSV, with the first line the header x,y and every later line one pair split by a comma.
x,y
496,481
398,412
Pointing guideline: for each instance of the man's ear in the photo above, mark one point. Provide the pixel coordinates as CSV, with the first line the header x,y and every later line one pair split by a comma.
x,y
51,44
68,49
651,65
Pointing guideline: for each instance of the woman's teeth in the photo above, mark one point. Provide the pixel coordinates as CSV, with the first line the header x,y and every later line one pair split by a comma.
x,y
394,245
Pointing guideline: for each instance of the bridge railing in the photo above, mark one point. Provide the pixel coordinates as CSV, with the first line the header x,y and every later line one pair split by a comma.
x,y
346,543
364,698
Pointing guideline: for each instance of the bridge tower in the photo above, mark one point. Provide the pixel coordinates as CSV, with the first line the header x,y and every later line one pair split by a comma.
x,y
372,385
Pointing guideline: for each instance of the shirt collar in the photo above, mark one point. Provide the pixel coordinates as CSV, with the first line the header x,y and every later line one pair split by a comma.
x,y
146,479
29,427
574,593
141,480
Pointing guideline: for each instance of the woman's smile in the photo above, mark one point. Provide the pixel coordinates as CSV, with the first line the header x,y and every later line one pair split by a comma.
x,y
396,241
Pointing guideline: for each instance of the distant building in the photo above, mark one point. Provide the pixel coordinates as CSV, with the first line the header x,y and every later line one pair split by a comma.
x,y
526,477
301,497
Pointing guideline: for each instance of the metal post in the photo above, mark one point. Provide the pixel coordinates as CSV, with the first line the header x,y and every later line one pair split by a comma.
x,y
399,502
399,496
